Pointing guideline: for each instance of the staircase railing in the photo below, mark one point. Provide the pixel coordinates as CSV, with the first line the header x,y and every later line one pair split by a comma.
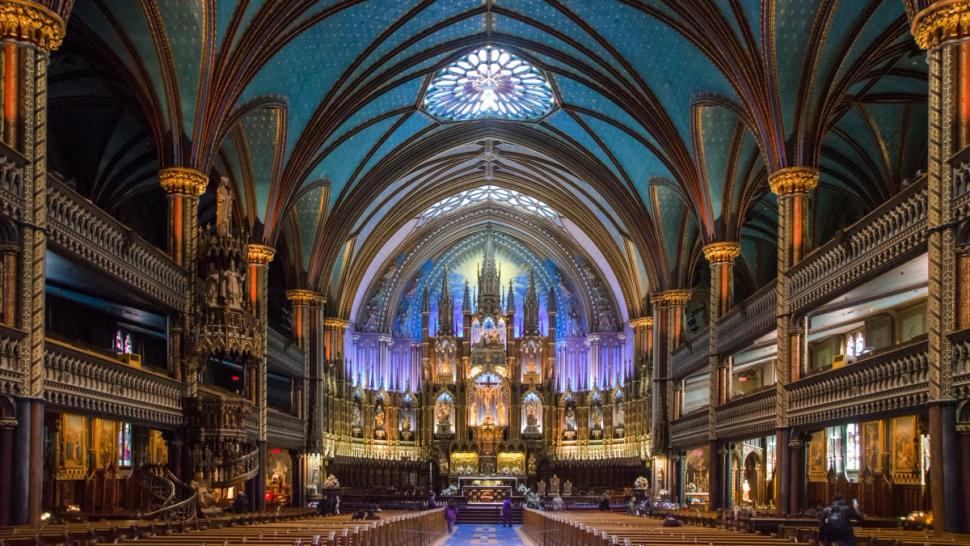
x,y
158,485
239,470
183,510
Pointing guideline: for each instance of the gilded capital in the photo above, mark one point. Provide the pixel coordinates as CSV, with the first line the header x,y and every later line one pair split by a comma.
x,y
670,298
723,252
31,22
941,21
642,322
183,180
304,297
793,180
259,254
335,323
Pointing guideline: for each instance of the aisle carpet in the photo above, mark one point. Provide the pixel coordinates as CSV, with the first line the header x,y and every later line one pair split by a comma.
x,y
475,534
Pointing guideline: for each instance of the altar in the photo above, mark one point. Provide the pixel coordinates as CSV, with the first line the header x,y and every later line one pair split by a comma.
x,y
487,489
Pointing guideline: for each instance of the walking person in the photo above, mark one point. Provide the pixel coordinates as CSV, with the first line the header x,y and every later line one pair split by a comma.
x,y
451,516
836,528
507,512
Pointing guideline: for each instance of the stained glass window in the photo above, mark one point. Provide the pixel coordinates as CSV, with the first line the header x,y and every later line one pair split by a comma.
x,y
124,445
489,83
509,198
852,461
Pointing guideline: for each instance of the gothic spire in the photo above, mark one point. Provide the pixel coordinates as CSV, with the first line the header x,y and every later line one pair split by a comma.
x,y
466,300
530,308
446,308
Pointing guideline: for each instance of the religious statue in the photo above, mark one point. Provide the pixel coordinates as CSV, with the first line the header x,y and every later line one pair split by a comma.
x,y
620,414
356,419
379,421
212,286
575,328
745,491
232,286
442,412
567,489
554,485
223,207
597,416
570,420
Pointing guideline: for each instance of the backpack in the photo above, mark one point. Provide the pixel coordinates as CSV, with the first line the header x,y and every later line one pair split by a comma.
x,y
836,522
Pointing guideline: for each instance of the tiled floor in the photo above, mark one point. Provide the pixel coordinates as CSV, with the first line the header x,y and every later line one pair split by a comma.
x,y
473,534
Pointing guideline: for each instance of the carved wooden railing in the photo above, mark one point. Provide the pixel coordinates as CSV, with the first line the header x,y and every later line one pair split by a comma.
x,y
11,377
691,355
887,236
87,232
285,429
11,182
690,430
241,469
747,416
84,380
891,381
960,163
961,371
222,415
749,320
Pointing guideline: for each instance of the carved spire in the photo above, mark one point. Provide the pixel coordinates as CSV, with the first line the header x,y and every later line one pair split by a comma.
x,y
510,299
489,278
446,308
466,300
530,308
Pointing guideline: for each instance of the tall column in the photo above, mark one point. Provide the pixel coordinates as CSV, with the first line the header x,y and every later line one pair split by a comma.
x,y
29,32
668,310
642,359
942,29
333,384
8,425
259,257
307,308
792,185
183,187
721,258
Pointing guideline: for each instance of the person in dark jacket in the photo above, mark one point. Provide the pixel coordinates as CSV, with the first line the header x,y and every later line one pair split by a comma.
x,y
241,503
324,508
604,504
837,520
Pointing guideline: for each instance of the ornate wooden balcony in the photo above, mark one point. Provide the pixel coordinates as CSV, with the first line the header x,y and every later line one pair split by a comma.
x,y
749,320
690,430
78,227
894,380
11,377
221,416
889,235
961,372
80,379
285,430
747,416
691,356
11,182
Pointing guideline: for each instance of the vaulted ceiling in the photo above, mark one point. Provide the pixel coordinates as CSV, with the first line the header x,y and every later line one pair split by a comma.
x,y
669,116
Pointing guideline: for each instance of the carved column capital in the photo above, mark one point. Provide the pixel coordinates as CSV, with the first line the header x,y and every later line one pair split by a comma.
x,y
259,254
940,22
723,252
793,180
182,180
335,323
670,298
31,22
305,297
643,322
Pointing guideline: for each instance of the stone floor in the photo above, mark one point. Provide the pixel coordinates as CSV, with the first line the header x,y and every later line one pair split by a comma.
x,y
473,534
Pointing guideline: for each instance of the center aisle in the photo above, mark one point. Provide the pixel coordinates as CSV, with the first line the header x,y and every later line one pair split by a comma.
x,y
474,534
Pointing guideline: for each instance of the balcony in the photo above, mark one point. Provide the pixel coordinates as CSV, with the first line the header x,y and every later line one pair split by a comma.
x,y
86,232
889,235
894,380
961,372
748,416
11,377
749,320
84,380
690,430
691,356
285,430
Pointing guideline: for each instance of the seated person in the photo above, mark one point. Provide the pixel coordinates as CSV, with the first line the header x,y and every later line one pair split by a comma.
x,y
241,503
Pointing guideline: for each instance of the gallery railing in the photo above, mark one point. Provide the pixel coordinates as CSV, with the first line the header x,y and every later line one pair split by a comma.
x,y
891,381
747,416
87,381
284,429
749,320
691,356
11,377
690,430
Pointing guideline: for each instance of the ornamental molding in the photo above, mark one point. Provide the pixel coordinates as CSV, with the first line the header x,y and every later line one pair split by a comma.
x,y
336,323
670,298
302,296
723,252
31,22
792,180
183,180
940,22
259,254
